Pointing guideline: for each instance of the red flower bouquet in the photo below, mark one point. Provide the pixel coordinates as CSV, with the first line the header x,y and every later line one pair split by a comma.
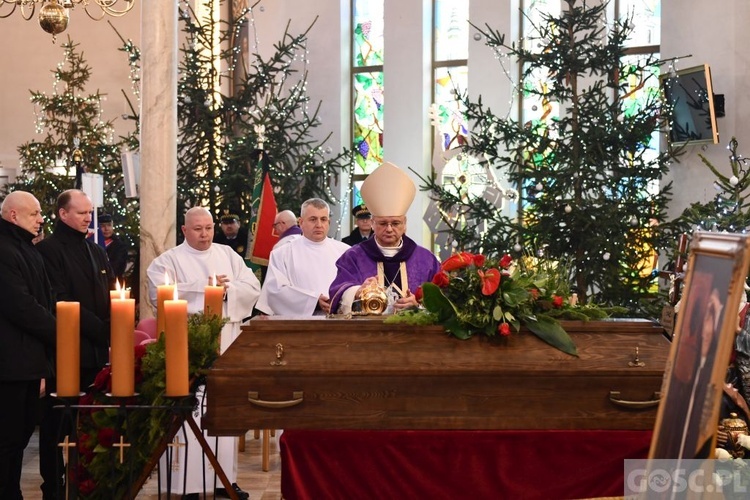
x,y
473,294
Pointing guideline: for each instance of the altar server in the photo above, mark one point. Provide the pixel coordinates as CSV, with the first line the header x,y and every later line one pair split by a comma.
x,y
191,266
390,259
300,271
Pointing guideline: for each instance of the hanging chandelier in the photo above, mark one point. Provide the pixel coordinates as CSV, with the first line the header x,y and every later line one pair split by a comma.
x,y
54,14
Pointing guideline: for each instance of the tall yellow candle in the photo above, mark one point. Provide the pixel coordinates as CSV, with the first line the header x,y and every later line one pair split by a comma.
x,y
163,292
213,299
122,314
68,349
176,346
116,294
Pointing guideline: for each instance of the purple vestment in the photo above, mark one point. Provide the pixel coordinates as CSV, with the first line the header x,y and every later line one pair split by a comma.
x,y
360,262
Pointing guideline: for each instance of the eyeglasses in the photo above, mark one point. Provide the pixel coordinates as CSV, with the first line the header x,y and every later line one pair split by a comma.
x,y
396,224
279,223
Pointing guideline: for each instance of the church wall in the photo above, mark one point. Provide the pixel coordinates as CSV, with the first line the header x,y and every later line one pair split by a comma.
x,y
716,35
28,58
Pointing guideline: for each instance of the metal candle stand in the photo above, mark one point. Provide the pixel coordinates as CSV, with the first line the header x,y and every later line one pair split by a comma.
x,y
182,414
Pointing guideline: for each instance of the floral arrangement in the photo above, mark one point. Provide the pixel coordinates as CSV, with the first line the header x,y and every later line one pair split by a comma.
x,y
475,295
102,420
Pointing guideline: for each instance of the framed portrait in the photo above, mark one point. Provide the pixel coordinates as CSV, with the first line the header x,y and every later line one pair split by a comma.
x,y
704,333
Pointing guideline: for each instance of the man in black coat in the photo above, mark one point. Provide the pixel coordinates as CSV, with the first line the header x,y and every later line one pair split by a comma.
x,y
231,233
79,271
363,231
117,250
27,333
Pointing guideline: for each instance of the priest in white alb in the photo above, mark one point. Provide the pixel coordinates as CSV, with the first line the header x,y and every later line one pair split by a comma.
x,y
191,266
300,272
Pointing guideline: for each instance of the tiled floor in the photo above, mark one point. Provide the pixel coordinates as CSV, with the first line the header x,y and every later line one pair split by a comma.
x,y
261,485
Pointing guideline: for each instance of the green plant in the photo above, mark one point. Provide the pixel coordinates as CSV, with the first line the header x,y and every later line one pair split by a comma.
x,y
102,420
476,295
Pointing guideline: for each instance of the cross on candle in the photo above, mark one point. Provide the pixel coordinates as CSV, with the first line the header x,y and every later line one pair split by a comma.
x,y
122,445
65,444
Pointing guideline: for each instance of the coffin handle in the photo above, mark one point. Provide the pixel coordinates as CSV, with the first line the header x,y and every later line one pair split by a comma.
x,y
614,397
297,396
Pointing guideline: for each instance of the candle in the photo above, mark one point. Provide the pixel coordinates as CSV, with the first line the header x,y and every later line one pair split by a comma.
x,y
119,291
122,314
163,292
68,349
213,299
176,346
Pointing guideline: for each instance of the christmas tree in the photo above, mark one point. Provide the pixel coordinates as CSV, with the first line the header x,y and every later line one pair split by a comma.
x,y
730,209
586,178
76,140
222,135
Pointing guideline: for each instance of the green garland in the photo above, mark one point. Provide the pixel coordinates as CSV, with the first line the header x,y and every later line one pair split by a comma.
x,y
100,474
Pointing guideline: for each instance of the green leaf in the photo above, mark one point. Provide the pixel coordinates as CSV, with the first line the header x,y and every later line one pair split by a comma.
x,y
497,313
456,328
552,332
437,303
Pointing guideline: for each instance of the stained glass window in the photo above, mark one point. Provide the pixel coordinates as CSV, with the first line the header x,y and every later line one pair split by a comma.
x,y
451,29
368,121
450,59
367,87
646,21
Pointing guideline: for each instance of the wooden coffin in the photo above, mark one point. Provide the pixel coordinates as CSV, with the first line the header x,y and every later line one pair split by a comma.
x,y
321,373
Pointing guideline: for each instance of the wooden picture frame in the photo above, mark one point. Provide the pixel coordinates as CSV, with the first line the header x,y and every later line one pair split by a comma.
x,y
704,333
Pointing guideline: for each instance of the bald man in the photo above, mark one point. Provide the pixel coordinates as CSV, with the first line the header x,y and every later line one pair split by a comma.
x,y
27,333
286,226
191,266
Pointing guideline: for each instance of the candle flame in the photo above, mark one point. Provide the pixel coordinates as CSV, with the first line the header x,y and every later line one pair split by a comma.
x,y
213,280
166,278
174,295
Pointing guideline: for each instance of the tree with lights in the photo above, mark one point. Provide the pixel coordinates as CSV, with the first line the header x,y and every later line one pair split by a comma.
x,y
584,174
220,135
76,139
730,209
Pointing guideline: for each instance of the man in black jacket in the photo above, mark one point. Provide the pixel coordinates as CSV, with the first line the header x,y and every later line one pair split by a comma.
x,y
79,271
117,250
27,333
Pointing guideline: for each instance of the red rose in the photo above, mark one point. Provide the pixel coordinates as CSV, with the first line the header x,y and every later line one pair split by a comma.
x,y
490,281
557,301
457,261
103,381
107,436
441,279
87,487
503,329
479,260
506,261
418,294
140,351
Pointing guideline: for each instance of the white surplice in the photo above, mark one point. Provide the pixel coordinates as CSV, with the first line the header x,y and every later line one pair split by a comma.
x,y
190,269
298,273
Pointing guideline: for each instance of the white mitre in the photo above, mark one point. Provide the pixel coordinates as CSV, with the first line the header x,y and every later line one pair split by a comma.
x,y
388,191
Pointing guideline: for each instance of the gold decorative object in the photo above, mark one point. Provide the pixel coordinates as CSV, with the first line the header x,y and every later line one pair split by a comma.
x,y
373,300
636,363
279,361
734,426
53,18
54,14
